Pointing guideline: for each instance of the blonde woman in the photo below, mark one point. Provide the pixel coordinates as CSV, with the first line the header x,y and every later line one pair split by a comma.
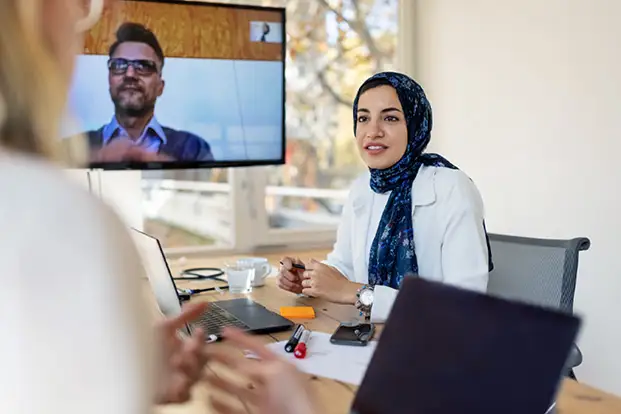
x,y
74,337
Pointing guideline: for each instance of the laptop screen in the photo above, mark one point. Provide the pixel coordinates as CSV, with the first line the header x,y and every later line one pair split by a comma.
x,y
447,350
156,267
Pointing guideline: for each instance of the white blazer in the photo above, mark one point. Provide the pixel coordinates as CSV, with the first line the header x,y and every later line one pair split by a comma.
x,y
447,216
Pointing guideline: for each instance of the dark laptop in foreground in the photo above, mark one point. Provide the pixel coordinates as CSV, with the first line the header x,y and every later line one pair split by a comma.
x,y
242,313
446,350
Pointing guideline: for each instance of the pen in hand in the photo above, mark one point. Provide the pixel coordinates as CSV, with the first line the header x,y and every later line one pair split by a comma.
x,y
296,266
302,268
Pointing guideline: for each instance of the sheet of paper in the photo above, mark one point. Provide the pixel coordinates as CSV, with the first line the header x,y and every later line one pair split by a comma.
x,y
340,362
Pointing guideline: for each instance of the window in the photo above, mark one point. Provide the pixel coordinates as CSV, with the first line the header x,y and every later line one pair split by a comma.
x,y
332,47
186,208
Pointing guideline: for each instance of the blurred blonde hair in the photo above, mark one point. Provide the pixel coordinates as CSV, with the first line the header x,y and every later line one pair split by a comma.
x,y
33,87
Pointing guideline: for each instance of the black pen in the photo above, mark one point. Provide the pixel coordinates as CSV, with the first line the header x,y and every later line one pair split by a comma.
x,y
297,266
295,338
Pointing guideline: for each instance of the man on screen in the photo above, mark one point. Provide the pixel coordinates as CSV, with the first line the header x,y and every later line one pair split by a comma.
x,y
135,80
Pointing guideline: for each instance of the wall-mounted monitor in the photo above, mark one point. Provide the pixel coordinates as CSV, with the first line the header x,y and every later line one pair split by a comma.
x,y
180,84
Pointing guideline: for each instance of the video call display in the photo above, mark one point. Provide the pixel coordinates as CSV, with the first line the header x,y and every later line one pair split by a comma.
x,y
181,85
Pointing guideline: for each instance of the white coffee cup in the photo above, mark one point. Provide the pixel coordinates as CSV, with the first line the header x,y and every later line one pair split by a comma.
x,y
262,269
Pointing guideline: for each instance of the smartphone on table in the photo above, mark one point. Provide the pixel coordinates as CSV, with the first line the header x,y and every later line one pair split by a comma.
x,y
356,334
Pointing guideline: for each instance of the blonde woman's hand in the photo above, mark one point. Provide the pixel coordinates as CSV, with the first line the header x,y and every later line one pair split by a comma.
x,y
183,357
270,384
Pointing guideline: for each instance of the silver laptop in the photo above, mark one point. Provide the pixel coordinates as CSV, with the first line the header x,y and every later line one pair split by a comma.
x,y
242,313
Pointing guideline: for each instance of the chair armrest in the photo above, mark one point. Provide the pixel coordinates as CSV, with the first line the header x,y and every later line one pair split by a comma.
x,y
575,357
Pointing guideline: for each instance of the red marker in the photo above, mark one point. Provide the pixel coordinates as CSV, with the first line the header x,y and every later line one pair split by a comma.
x,y
300,348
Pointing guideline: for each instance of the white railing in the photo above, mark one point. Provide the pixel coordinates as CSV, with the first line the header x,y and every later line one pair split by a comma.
x,y
270,190
190,186
319,193
204,208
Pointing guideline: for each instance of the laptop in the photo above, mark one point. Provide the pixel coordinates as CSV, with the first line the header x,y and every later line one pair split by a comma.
x,y
242,313
447,350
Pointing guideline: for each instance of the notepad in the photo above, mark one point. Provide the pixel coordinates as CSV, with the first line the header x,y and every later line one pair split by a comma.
x,y
298,312
325,359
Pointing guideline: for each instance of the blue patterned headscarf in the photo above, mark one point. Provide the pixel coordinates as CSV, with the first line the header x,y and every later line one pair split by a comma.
x,y
393,254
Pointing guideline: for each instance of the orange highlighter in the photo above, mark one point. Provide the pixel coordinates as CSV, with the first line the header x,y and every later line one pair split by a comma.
x,y
300,348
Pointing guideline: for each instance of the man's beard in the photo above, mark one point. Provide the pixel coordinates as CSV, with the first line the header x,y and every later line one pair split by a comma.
x,y
132,109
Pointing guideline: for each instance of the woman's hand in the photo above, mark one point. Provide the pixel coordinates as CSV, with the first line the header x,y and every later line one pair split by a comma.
x,y
290,277
271,385
183,358
323,281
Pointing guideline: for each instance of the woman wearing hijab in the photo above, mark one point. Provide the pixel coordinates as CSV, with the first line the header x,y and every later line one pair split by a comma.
x,y
414,213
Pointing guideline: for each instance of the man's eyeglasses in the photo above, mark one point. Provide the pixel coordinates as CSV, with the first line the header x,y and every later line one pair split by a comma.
x,y
118,66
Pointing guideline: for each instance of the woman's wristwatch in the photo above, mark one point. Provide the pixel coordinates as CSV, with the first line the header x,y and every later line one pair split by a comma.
x,y
364,301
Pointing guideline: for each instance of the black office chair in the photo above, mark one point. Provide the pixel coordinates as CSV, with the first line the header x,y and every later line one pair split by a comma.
x,y
538,271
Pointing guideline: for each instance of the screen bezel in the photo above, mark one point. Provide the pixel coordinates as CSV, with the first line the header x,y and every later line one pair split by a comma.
x,y
188,165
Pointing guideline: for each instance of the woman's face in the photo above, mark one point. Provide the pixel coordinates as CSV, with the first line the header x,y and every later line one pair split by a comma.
x,y
381,129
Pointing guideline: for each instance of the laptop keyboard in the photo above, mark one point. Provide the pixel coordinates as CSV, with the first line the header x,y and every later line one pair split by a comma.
x,y
215,318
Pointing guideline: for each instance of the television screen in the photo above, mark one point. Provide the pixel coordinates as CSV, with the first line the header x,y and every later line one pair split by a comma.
x,y
179,84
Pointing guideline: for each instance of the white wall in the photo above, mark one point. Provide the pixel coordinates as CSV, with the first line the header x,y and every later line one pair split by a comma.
x,y
527,100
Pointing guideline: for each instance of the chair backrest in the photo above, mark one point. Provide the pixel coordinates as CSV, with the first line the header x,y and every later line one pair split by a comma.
x,y
538,271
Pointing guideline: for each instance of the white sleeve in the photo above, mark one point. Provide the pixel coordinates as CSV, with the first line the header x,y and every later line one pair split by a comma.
x,y
465,261
75,338
464,247
341,256
383,299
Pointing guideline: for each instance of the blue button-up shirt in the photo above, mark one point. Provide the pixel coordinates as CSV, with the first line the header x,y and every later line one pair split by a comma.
x,y
151,139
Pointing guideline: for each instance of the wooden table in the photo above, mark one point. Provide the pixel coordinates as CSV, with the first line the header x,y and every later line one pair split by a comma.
x,y
336,396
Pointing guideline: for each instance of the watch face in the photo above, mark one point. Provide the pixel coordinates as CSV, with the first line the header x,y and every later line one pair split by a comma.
x,y
366,297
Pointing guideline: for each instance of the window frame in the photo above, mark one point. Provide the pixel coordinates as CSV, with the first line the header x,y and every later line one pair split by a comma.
x,y
248,185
